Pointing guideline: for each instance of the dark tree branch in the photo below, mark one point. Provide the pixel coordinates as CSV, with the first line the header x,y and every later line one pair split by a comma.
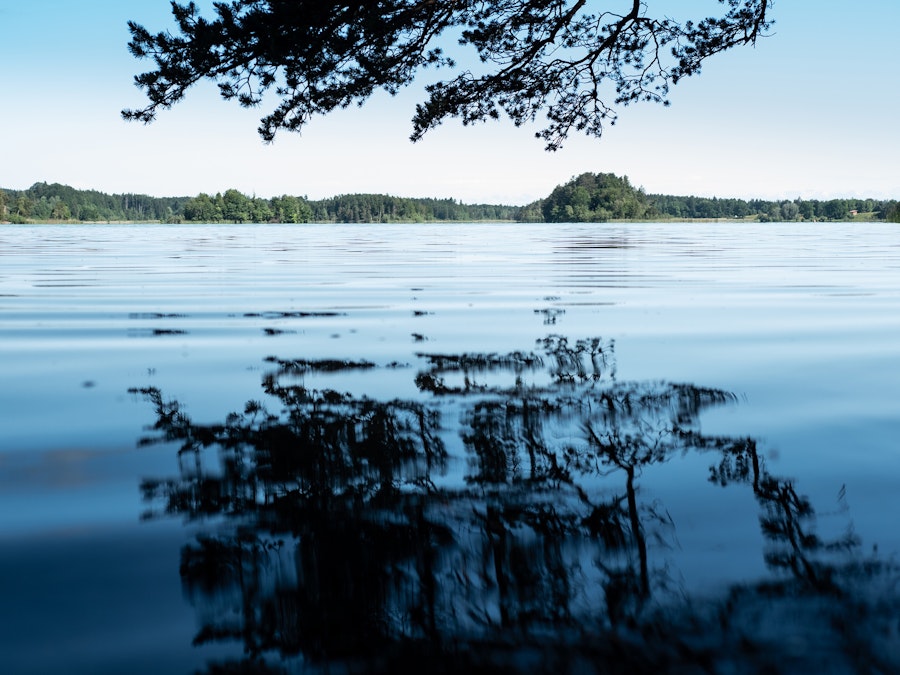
x,y
551,58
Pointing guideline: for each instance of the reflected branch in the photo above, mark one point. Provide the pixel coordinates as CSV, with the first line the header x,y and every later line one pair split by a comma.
x,y
482,520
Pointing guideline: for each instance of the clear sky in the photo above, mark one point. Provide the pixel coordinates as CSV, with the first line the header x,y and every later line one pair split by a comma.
x,y
811,112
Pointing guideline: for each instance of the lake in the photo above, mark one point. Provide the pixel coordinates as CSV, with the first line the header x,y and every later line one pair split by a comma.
x,y
360,448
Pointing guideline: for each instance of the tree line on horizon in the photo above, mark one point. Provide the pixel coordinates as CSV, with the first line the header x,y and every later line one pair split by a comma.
x,y
589,197
44,202
601,197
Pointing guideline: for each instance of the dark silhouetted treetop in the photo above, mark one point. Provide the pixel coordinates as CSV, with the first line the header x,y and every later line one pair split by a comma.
x,y
563,61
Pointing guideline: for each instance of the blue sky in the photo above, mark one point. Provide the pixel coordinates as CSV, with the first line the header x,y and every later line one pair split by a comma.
x,y
810,112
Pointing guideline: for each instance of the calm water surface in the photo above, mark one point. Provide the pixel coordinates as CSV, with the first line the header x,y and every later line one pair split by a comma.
x,y
573,448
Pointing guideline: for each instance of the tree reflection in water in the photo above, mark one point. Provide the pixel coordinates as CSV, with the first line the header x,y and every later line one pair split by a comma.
x,y
341,533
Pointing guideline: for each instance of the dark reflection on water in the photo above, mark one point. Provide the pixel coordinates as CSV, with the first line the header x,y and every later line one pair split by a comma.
x,y
343,533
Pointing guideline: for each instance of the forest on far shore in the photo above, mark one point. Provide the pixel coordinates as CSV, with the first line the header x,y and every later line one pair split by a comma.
x,y
590,197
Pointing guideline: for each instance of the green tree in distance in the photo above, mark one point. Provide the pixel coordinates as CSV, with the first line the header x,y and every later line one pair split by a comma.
x,y
892,212
288,209
60,211
566,60
236,207
790,210
202,209
24,206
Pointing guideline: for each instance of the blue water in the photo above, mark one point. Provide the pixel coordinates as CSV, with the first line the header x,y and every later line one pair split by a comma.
x,y
795,327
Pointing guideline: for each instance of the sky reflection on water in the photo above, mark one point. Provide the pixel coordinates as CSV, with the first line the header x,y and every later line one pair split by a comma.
x,y
647,445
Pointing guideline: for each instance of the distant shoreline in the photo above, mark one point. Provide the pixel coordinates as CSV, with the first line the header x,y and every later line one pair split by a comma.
x,y
862,218
587,198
